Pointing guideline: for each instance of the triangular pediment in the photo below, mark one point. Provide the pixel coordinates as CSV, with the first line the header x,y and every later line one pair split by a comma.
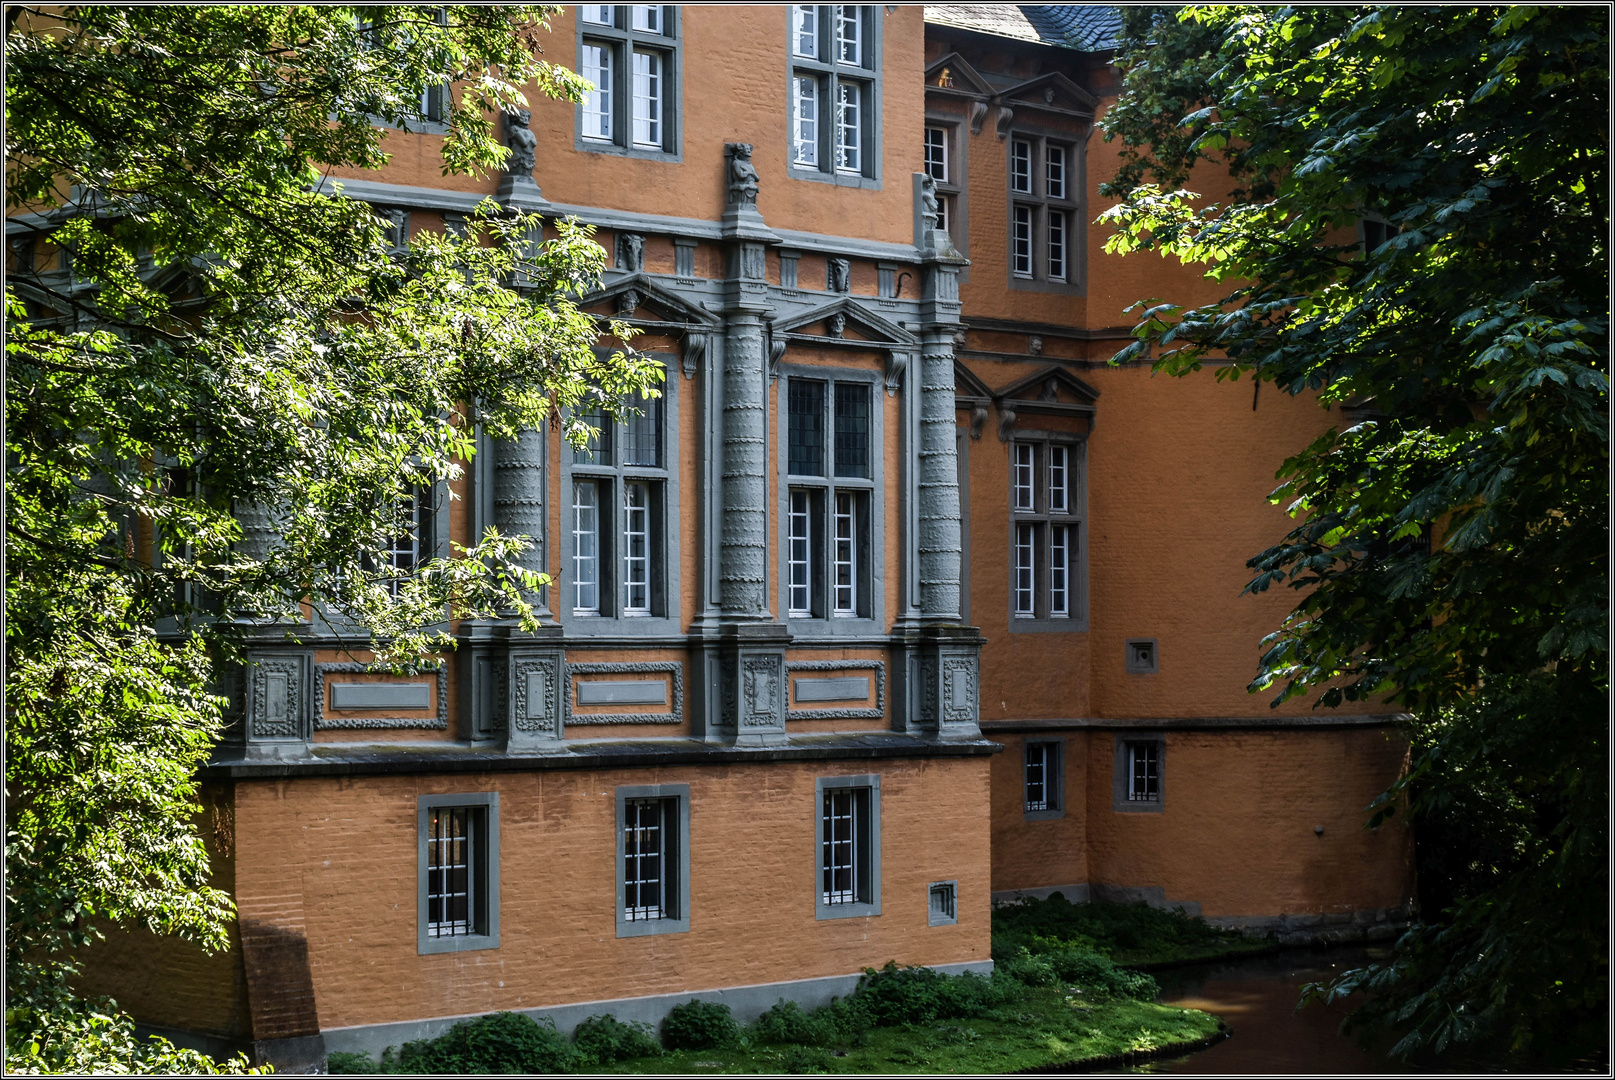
x,y
639,298
866,326
967,385
1054,91
1054,385
954,73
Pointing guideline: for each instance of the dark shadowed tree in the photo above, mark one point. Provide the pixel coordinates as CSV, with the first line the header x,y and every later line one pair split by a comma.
x,y
1417,235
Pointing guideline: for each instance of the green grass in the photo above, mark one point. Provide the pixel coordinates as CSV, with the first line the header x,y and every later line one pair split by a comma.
x,y
1130,935
1042,1026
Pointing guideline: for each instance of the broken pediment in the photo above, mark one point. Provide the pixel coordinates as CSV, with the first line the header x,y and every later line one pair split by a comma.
x,y
1053,391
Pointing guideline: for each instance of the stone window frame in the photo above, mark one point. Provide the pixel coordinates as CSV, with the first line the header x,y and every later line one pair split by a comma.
x,y
874,487
1053,779
623,40
1121,770
679,922
829,73
871,858
1077,500
487,870
666,596
1075,283
947,918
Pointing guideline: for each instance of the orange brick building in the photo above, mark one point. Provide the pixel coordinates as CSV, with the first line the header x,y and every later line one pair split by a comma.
x,y
900,599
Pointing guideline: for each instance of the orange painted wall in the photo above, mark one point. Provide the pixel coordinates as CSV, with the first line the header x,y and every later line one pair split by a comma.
x,y
342,855
1050,851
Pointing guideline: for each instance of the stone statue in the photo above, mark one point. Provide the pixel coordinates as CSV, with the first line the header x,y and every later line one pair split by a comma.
x,y
522,142
742,176
928,202
628,302
840,275
631,252
837,324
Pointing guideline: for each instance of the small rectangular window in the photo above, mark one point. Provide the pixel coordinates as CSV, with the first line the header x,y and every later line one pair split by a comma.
x,y
1025,474
597,103
844,847
806,398
458,898
636,548
1037,776
586,548
450,884
942,212
936,154
1020,166
943,903
600,14
1025,570
805,30
799,530
1056,245
1143,772
805,121
647,17
1059,485
1023,241
849,34
648,99
1059,571
846,570
1054,172
642,435
849,127
649,831
852,430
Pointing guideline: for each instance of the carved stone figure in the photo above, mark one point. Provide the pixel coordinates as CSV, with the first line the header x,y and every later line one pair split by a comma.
x,y
840,273
630,252
742,176
628,302
1034,346
522,142
1051,390
837,324
928,202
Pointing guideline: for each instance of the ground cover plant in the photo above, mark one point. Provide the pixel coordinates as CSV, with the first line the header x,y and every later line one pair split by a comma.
x,y
1040,1009
1130,935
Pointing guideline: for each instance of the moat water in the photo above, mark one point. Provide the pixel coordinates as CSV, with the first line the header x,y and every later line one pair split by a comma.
x,y
1257,998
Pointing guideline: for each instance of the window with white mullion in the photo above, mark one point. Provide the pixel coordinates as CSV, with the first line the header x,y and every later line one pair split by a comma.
x,y
599,68
840,856
1025,474
1037,776
1023,241
636,548
800,555
805,120
846,557
599,14
450,882
1043,193
936,154
805,31
1054,172
629,54
1025,570
849,127
833,81
1144,772
1059,485
1020,167
1044,530
1059,571
585,547
829,473
646,17
1056,245
647,99
849,34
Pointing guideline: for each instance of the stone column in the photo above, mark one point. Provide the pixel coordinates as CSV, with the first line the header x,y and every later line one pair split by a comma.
x,y
518,497
938,496
743,574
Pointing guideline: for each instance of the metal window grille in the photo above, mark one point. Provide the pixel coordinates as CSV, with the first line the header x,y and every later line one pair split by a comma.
x,y
648,98
597,103
1020,166
849,34
636,549
806,406
647,17
642,435
852,429
586,548
799,555
1054,172
1025,569
806,134
1037,776
1059,571
450,878
936,154
1144,772
1056,228
600,14
1025,455
849,126
1023,241
846,555
844,846
649,830
805,30
1059,486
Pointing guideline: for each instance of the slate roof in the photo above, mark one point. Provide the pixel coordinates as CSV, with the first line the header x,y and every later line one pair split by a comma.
x,y
1086,27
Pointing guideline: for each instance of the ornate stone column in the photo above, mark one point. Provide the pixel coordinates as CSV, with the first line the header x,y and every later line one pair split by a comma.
x,y
518,498
938,496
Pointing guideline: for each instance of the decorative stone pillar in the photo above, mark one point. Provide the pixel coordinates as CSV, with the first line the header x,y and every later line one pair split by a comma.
x,y
743,575
277,717
938,494
518,498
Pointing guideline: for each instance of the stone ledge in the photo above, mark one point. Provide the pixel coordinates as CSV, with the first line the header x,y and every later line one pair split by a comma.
x,y
346,759
1196,723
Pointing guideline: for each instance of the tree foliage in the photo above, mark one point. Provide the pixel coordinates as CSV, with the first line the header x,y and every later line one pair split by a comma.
x,y
200,336
1417,235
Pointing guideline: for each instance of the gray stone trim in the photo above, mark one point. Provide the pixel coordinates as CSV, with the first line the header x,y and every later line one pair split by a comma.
x,y
871,907
932,917
1321,928
279,689
679,923
489,800
670,44
1120,803
939,546
1142,656
324,723
876,713
746,1002
1196,723
675,668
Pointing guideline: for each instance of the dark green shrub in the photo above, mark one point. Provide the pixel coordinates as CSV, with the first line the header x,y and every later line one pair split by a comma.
x,y
605,1040
1029,970
698,1025
901,995
786,1022
971,995
808,1059
1112,929
341,1063
1096,973
504,1043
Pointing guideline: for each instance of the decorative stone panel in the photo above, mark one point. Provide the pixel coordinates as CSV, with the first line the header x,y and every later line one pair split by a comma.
x,y
673,669
534,682
278,698
859,712
440,722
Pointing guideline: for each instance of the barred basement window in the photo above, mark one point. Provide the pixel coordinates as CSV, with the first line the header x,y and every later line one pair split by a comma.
x,y
1143,772
653,841
459,881
835,75
1044,779
849,846
829,475
629,53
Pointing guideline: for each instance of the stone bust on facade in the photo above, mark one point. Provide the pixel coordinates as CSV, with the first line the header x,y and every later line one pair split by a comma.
x,y
928,202
522,142
742,176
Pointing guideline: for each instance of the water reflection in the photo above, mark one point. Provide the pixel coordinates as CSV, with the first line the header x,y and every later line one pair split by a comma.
x,y
1257,997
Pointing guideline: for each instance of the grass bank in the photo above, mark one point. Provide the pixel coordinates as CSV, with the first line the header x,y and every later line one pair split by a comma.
x,y
1065,991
